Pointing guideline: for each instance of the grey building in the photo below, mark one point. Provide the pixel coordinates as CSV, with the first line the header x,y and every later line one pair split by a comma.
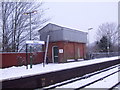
x,y
62,39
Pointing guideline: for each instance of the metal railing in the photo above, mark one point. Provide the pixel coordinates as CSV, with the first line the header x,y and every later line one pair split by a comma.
x,y
105,54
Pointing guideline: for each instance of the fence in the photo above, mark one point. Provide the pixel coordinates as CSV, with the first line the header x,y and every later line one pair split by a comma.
x,y
18,59
105,54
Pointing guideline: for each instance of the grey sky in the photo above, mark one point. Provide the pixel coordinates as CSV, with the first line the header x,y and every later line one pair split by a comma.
x,y
82,15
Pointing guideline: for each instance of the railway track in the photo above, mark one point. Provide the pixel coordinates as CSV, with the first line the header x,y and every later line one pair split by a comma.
x,y
81,87
84,77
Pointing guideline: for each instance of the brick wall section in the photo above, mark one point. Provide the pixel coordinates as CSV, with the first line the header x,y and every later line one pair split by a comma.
x,y
60,46
74,50
71,50
18,59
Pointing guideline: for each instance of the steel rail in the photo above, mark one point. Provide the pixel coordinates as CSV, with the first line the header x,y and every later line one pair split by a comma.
x,y
96,80
79,78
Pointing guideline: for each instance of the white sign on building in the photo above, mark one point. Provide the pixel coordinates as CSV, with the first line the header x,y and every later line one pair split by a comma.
x,y
60,50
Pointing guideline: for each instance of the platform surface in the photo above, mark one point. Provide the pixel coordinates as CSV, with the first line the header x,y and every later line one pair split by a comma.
x,y
17,72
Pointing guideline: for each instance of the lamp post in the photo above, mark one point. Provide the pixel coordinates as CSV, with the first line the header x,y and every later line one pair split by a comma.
x,y
108,43
29,13
88,43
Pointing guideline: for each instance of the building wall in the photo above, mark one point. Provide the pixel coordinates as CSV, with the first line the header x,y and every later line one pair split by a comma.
x,y
60,46
71,50
17,59
74,35
74,50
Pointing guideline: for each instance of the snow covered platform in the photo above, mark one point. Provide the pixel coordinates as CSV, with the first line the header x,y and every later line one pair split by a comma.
x,y
17,72
43,76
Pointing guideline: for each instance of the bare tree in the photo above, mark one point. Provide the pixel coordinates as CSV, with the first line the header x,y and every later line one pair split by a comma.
x,y
15,25
110,31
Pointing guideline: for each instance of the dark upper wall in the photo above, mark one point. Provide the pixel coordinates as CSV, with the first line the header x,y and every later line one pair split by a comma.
x,y
58,33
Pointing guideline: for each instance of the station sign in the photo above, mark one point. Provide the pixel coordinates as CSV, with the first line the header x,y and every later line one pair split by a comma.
x,y
35,42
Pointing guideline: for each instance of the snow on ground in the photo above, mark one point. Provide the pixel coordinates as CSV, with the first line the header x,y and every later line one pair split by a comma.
x,y
105,83
18,72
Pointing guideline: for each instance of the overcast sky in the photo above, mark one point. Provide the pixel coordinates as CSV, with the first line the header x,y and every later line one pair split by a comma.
x,y
81,14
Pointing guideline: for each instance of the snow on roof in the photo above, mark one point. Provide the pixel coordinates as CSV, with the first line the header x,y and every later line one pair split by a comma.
x,y
60,26
18,72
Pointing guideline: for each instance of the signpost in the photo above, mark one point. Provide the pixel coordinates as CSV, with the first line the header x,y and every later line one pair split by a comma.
x,y
31,42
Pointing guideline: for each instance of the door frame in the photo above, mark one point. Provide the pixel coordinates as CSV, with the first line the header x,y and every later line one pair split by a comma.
x,y
53,53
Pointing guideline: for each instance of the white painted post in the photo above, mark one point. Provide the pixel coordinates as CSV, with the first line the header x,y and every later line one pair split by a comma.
x,y
46,50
